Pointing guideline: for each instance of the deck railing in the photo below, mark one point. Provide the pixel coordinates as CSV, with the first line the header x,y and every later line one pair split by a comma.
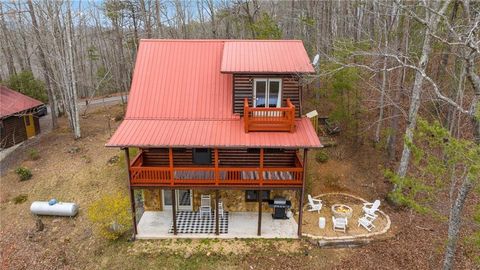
x,y
269,119
215,176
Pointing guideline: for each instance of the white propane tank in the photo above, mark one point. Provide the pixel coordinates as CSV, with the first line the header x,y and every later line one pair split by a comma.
x,y
57,209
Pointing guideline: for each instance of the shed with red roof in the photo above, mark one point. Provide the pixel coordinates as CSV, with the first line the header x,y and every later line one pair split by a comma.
x,y
18,117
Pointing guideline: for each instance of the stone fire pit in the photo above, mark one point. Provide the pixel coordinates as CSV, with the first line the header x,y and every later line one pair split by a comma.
x,y
342,211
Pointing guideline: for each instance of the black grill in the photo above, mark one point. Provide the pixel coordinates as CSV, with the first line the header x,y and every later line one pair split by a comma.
x,y
280,206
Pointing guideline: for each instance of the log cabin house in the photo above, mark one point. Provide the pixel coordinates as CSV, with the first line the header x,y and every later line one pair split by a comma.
x,y
221,118
18,118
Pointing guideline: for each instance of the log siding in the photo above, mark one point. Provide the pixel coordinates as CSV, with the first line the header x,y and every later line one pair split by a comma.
x,y
227,157
13,130
243,88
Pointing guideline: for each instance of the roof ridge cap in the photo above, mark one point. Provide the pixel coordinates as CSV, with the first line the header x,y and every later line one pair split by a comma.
x,y
220,40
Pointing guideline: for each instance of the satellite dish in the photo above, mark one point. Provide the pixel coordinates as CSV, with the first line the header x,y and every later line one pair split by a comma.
x,y
315,60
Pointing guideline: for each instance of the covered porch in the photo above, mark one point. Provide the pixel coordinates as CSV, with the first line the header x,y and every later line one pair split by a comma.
x,y
260,178
157,225
187,167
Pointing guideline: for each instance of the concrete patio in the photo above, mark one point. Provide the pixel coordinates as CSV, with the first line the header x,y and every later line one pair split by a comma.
x,y
155,225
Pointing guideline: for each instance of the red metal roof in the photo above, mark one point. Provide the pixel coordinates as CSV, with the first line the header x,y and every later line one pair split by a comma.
x,y
179,98
12,102
219,133
180,79
272,56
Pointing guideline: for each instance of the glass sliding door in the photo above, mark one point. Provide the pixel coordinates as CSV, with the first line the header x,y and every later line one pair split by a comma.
x,y
274,100
260,93
267,93
183,199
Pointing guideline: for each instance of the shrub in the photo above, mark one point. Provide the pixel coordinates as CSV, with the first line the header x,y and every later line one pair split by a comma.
x,y
20,199
23,173
321,157
110,215
118,117
33,154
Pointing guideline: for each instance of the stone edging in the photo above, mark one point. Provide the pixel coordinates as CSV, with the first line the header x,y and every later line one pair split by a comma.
x,y
350,237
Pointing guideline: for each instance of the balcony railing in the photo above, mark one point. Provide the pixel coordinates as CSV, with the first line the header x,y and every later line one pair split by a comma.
x,y
269,119
215,176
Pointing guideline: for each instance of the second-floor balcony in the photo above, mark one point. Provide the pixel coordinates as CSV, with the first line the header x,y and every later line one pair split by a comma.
x,y
269,119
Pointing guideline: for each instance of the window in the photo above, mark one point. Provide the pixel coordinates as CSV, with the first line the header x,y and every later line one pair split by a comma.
x,y
252,195
202,156
267,93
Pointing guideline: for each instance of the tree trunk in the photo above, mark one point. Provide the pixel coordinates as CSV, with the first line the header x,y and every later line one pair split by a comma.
x,y
454,223
383,85
474,80
403,48
417,88
23,34
75,118
146,18
453,115
45,67
158,19
6,46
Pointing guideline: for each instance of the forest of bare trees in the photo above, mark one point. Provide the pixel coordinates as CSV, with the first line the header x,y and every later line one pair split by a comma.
x,y
383,64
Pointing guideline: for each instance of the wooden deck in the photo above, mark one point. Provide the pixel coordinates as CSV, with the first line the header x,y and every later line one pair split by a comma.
x,y
142,174
269,119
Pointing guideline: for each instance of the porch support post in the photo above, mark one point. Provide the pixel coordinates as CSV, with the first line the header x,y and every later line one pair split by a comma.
x,y
262,158
302,191
217,197
170,163
217,176
259,231
174,212
130,190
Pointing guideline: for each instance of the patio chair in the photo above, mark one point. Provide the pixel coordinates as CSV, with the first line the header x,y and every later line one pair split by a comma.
x,y
205,205
366,222
371,208
340,224
314,204
220,209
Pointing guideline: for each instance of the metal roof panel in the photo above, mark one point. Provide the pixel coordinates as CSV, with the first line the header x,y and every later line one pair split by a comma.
x,y
216,133
12,102
265,56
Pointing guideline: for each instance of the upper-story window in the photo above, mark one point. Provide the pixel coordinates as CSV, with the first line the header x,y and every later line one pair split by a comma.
x,y
267,93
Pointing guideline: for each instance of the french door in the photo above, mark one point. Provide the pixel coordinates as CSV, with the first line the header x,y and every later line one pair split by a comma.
x,y
183,199
267,93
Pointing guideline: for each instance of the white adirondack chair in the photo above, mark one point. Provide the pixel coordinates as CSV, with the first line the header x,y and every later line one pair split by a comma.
x,y
205,205
314,204
371,208
220,209
340,224
366,222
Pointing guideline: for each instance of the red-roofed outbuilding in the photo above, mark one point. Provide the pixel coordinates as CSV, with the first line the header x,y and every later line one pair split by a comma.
x,y
18,119
211,115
